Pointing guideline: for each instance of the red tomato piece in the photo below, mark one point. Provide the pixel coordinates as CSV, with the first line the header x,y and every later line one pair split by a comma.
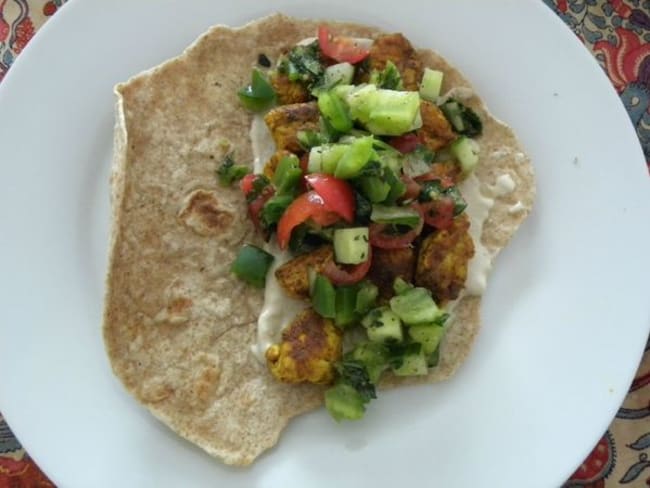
x,y
412,188
346,274
246,183
439,214
255,207
340,48
337,194
406,143
379,238
309,205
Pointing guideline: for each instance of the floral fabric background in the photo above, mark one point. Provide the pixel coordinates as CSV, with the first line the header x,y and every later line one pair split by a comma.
x,y
618,34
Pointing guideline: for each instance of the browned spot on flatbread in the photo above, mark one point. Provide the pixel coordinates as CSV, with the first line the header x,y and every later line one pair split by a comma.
x,y
203,214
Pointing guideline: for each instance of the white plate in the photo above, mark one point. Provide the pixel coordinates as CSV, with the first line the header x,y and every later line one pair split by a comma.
x,y
565,317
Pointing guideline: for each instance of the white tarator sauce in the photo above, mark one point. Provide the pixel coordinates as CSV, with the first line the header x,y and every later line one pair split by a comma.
x,y
279,309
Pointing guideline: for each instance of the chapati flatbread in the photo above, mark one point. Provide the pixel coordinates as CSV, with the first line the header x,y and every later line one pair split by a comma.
x,y
178,326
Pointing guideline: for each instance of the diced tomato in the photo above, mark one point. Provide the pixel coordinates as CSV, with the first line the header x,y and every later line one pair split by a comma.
x,y
255,207
412,188
337,194
340,48
379,238
406,143
346,274
439,214
246,183
309,205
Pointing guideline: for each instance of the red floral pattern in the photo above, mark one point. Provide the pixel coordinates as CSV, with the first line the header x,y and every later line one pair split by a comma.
x,y
625,55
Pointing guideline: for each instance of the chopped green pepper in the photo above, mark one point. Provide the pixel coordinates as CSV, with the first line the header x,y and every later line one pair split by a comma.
x,y
252,264
259,95
287,174
346,299
355,158
334,111
274,208
324,297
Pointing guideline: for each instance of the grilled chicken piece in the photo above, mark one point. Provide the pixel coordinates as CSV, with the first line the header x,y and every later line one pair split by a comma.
x,y
272,164
398,49
436,131
310,346
443,260
288,91
388,264
293,275
286,121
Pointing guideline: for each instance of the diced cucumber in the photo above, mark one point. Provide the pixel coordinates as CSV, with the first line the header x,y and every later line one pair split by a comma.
x,y
454,113
373,356
433,358
351,245
382,325
415,306
344,402
334,111
400,286
361,100
394,112
417,122
384,214
323,159
385,112
337,74
366,297
342,91
354,158
466,151
374,188
429,335
431,84
414,364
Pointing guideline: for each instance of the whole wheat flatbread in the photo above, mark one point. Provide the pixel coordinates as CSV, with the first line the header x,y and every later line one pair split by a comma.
x,y
178,326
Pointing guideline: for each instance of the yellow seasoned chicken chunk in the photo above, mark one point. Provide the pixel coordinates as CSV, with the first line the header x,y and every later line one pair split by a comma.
x,y
293,275
398,49
436,131
288,91
310,346
443,260
286,121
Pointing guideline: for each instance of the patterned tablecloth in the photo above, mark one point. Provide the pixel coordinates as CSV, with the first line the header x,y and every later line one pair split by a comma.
x,y
618,34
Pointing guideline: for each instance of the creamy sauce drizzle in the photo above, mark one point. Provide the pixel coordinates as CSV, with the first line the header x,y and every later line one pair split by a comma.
x,y
504,185
262,142
478,208
279,309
